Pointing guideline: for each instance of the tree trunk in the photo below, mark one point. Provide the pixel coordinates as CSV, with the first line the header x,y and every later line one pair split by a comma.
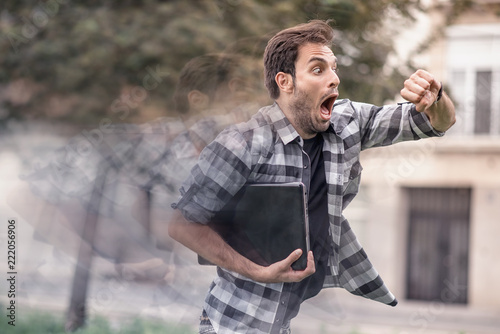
x,y
76,314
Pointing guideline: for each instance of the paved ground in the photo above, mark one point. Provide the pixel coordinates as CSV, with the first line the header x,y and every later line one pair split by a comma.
x,y
334,311
45,277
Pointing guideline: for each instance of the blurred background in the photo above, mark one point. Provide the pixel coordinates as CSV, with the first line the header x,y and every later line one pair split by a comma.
x,y
88,109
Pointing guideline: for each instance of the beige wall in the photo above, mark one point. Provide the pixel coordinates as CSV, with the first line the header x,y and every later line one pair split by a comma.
x,y
484,271
380,217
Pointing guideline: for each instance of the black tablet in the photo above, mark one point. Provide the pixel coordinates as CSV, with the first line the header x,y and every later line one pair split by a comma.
x,y
266,222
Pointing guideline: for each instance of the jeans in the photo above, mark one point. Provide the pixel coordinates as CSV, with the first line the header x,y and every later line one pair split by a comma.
x,y
206,326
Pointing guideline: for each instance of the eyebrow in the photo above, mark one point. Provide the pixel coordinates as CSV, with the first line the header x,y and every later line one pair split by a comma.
x,y
322,60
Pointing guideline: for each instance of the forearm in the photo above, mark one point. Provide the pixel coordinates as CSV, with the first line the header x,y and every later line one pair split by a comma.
x,y
442,114
207,243
204,241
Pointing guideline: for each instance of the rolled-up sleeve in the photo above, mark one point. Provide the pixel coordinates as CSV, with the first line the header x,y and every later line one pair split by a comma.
x,y
390,124
222,169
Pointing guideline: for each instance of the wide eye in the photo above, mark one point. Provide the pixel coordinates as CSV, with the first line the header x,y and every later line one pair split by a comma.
x,y
316,70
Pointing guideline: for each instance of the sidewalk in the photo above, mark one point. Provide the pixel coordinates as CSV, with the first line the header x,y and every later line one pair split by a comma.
x,y
333,311
337,311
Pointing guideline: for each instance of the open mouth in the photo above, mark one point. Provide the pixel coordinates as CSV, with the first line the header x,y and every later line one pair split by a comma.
x,y
327,105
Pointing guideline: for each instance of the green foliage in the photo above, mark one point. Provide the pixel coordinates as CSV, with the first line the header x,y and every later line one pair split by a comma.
x,y
151,327
71,60
46,323
33,323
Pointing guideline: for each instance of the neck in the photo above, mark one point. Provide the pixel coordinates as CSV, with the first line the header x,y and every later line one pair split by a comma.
x,y
291,118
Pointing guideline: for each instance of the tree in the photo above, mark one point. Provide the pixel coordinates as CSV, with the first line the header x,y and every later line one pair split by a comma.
x,y
80,61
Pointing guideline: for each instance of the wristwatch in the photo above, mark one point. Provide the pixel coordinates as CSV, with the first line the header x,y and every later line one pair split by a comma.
x,y
440,94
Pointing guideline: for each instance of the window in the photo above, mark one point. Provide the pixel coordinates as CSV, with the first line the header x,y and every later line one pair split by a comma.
x,y
474,77
438,244
482,117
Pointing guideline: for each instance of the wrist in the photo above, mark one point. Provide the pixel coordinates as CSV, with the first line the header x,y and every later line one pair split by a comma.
x,y
251,270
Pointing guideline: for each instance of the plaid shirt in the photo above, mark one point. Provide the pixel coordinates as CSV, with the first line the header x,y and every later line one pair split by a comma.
x,y
268,149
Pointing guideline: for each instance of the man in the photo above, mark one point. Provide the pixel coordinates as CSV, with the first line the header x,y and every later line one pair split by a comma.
x,y
309,136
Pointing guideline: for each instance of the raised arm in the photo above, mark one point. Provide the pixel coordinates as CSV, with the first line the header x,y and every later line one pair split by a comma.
x,y
422,89
207,243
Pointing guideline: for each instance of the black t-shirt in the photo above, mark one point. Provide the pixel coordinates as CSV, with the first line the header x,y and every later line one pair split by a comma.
x,y
318,226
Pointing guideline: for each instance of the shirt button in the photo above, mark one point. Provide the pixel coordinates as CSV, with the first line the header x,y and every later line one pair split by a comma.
x,y
282,302
305,166
277,320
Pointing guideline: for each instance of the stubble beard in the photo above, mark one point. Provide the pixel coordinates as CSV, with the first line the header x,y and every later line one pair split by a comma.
x,y
301,108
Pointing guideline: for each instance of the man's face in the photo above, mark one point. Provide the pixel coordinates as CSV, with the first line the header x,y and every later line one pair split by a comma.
x,y
315,89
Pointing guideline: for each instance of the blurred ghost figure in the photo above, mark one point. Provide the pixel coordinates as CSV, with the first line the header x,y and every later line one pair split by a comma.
x,y
107,192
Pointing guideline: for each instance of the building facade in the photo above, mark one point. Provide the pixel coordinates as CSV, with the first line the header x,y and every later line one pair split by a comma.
x,y
428,212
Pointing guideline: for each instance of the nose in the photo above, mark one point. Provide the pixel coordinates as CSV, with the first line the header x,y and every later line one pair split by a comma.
x,y
334,80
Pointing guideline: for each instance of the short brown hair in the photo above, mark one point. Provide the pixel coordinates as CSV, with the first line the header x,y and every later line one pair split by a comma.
x,y
282,49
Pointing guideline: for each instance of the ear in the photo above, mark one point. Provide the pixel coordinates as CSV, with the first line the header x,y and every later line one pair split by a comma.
x,y
284,82
198,101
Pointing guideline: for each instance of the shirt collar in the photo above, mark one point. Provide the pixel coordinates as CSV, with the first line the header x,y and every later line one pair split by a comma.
x,y
282,125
